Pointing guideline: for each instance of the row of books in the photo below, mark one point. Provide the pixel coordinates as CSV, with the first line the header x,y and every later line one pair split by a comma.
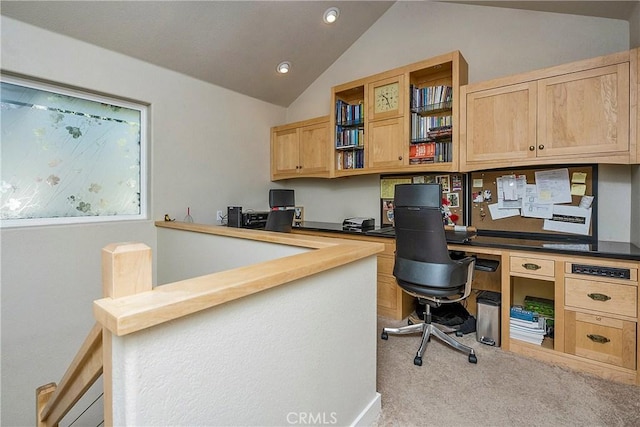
x,y
526,325
350,159
431,98
430,152
349,114
430,127
349,137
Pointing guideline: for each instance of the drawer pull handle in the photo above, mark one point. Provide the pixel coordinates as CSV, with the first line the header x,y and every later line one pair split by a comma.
x,y
599,297
531,266
598,338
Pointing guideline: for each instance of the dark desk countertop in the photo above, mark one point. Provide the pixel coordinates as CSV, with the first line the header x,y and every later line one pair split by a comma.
x,y
601,248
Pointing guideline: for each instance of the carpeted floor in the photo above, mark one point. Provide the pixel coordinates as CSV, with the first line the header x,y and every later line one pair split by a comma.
x,y
503,389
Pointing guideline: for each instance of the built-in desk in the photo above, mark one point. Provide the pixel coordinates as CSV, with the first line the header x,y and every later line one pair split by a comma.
x,y
594,287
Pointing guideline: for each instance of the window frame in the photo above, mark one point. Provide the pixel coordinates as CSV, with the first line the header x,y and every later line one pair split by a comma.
x,y
142,108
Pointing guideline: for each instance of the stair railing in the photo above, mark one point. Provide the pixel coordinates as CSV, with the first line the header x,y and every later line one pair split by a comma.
x,y
126,269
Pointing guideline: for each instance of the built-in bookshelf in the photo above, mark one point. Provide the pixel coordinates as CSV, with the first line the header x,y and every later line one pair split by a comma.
x,y
399,120
432,123
349,125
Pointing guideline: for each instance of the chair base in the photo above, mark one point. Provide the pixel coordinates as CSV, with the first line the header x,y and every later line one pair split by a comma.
x,y
428,330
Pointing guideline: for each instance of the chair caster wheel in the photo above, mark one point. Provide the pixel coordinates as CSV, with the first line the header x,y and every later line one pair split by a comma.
x,y
459,334
409,322
384,336
473,358
417,361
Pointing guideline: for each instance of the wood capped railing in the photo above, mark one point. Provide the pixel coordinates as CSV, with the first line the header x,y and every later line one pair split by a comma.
x,y
130,303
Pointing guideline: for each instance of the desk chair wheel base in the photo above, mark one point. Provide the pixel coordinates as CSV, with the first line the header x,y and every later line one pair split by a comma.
x,y
384,335
473,358
417,361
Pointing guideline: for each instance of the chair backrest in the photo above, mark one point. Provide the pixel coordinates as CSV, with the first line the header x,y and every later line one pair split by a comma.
x,y
279,198
280,220
422,257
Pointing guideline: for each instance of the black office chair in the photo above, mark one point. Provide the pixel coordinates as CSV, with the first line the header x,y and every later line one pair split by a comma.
x,y
423,267
280,217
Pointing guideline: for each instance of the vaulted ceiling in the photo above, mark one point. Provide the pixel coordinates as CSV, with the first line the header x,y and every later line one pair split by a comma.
x,y
238,44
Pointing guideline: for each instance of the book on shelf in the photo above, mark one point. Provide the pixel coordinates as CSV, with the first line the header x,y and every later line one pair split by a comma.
x,y
530,338
519,312
349,114
431,98
422,151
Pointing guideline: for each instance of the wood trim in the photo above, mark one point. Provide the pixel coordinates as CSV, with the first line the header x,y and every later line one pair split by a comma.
x,y
600,61
133,313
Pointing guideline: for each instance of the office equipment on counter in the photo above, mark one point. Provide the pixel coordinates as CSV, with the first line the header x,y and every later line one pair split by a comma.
x,y
252,219
234,216
255,219
358,223
423,266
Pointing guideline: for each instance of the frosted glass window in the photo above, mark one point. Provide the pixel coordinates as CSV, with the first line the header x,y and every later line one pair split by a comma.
x,y
69,157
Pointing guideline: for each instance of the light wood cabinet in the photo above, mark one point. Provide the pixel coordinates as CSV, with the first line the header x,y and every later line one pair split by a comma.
x,y
595,312
573,113
300,149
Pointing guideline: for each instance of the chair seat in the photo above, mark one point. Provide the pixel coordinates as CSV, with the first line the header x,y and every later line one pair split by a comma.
x,y
427,291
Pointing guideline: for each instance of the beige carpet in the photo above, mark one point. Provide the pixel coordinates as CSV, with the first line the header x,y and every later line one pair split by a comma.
x,y
503,389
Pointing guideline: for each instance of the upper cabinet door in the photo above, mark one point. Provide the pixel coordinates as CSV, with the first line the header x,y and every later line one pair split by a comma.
x,y
314,149
386,148
500,124
285,154
584,113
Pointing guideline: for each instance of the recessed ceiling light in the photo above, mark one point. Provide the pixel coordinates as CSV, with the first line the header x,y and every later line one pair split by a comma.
x,y
283,67
331,15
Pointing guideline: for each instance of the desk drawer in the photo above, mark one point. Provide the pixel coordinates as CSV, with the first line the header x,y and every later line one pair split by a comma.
x,y
605,297
532,266
604,339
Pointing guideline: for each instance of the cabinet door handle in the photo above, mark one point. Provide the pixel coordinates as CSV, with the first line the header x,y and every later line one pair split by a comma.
x,y
599,297
540,147
598,338
399,157
531,148
531,266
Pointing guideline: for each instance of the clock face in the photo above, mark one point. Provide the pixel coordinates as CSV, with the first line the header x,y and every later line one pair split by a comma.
x,y
386,98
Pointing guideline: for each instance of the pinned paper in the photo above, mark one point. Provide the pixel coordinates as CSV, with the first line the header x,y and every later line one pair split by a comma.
x,y
585,202
502,213
532,207
569,219
579,178
553,185
578,189
477,182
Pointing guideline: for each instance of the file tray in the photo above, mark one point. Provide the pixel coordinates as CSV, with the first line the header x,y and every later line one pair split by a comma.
x,y
483,264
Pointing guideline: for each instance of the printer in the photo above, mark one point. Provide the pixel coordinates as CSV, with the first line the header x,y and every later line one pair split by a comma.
x,y
358,224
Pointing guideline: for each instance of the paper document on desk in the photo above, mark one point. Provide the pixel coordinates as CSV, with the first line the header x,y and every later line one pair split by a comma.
x,y
569,219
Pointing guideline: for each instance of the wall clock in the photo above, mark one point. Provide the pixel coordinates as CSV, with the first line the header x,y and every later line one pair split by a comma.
x,y
386,97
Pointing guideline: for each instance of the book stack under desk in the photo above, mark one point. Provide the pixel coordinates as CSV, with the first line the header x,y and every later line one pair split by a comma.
x,y
527,326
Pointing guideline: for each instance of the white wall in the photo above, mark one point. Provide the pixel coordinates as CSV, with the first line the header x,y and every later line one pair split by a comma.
x,y
495,42
208,149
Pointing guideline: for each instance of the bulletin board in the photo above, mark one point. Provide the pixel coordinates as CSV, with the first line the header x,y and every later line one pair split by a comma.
x,y
453,191
483,192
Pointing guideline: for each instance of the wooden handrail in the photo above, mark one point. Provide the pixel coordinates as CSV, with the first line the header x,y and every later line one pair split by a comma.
x,y
55,401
